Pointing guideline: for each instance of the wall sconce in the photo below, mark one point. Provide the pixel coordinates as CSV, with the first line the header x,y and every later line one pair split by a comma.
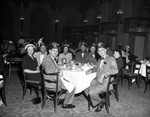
x,y
99,17
119,13
56,25
21,22
99,22
85,22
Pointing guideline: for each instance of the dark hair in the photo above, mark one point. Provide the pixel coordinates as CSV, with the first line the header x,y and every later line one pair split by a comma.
x,y
65,45
119,51
120,47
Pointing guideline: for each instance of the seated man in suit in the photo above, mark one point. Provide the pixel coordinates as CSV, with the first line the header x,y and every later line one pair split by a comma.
x,y
80,57
105,67
49,65
92,55
40,55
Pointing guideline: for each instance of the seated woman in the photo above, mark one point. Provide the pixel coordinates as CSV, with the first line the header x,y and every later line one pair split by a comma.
x,y
65,57
30,64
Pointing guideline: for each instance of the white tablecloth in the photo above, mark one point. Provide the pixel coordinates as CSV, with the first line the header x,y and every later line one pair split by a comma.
x,y
143,69
77,79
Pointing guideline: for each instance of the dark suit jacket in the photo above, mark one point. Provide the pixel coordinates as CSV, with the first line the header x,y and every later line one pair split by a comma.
x,y
91,59
120,63
79,58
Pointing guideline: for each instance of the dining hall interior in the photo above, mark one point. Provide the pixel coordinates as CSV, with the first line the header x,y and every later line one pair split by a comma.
x,y
116,24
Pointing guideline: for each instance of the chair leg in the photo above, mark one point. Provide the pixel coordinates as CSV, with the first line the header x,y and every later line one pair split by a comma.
x,y
121,80
116,92
9,76
107,104
89,102
3,97
24,91
37,90
137,81
55,103
129,82
146,83
44,96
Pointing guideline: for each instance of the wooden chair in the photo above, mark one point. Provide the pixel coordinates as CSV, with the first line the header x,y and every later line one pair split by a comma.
x,y
3,85
53,93
105,95
14,65
132,74
147,78
30,84
115,83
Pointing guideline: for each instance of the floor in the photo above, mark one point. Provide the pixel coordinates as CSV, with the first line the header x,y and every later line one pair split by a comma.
x,y
132,103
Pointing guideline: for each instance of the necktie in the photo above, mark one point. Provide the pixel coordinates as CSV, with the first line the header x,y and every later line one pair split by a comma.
x,y
55,59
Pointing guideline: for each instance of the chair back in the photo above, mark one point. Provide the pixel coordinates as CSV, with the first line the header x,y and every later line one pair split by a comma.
x,y
47,91
117,77
14,64
111,81
136,67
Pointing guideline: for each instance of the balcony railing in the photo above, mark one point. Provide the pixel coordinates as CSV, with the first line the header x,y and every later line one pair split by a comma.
x,y
136,25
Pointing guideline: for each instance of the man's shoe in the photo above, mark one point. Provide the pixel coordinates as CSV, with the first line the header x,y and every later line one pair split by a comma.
x,y
60,101
68,106
99,106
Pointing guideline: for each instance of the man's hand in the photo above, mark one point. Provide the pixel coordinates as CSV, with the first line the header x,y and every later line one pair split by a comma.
x,y
88,72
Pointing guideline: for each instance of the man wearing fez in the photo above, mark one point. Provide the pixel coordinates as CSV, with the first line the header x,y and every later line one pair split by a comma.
x,y
106,66
49,65
80,57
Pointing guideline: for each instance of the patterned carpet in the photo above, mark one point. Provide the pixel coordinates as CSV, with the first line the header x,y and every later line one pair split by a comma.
x,y
132,103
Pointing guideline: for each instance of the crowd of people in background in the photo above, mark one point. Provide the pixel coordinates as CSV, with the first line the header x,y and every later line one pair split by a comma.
x,y
42,55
